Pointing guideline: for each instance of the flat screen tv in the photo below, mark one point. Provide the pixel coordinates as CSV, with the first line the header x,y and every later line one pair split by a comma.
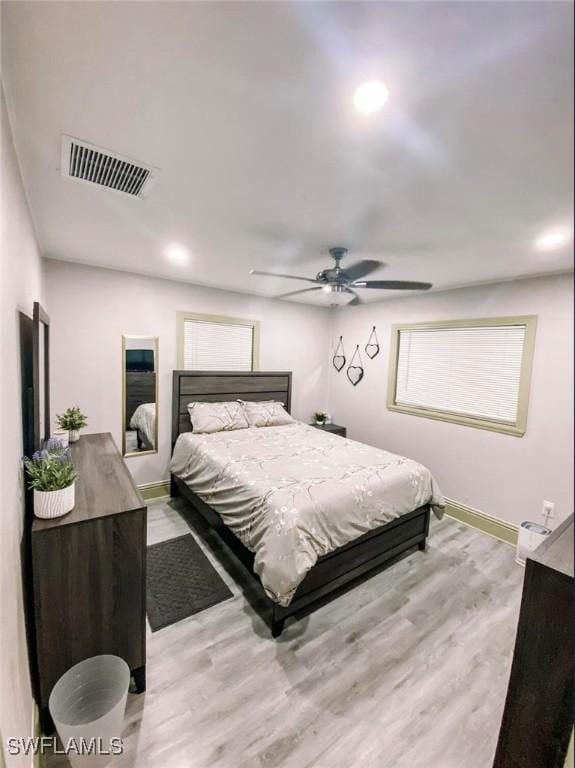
x,y
139,359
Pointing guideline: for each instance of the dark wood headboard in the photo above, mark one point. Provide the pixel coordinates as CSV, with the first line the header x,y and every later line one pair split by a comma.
x,y
220,386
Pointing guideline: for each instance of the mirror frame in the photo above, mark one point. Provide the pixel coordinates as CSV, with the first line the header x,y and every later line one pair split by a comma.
x,y
40,378
156,340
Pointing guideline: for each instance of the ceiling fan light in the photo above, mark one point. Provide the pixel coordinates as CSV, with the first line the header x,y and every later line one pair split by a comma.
x,y
337,295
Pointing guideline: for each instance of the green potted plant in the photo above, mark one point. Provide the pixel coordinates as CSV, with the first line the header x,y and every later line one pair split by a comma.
x,y
73,420
52,476
320,417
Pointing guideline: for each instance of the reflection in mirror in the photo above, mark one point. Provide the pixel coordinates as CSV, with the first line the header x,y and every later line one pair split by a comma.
x,y
140,394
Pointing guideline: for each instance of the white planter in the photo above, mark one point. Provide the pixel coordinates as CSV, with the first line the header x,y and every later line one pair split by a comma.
x,y
62,435
48,504
74,435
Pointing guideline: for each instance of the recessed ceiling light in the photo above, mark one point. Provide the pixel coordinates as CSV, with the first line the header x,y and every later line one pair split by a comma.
x,y
548,241
177,254
370,97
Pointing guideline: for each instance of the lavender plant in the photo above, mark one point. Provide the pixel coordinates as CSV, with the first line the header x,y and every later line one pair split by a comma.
x,y
51,468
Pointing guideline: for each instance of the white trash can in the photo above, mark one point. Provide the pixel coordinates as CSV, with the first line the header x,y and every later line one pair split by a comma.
x,y
87,705
531,535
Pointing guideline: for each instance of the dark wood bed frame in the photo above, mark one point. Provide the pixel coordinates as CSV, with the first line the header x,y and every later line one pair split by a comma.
x,y
374,550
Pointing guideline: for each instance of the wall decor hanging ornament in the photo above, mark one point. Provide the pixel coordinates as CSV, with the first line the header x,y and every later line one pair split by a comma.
x,y
339,356
372,346
355,372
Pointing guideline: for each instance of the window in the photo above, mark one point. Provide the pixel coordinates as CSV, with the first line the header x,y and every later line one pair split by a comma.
x,y
473,372
214,343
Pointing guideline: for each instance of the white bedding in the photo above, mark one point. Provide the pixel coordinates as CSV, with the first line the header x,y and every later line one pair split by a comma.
x,y
294,493
144,420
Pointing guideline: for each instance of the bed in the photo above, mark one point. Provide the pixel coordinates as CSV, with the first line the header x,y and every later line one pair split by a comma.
x,y
144,422
307,512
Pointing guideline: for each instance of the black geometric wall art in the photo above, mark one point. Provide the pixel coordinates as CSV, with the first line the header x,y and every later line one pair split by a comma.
x,y
355,369
339,356
372,346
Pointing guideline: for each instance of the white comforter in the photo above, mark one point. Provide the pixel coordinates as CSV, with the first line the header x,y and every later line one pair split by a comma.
x,y
294,493
144,420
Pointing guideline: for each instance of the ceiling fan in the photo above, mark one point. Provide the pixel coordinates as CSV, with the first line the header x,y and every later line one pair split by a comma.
x,y
338,283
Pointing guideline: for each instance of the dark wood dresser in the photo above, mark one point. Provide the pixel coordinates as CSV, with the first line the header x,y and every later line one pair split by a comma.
x,y
538,715
89,570
140,388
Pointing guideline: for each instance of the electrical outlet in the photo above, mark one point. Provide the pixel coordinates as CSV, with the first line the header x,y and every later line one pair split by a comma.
x,y
548,509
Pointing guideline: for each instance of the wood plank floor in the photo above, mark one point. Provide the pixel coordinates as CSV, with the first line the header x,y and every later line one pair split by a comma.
x,y
407,670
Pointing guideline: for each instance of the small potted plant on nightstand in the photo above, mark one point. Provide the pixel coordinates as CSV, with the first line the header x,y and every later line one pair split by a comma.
x,y
73,420
52,476
320,417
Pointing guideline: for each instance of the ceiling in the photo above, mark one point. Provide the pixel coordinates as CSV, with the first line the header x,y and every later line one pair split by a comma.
x,y
247,110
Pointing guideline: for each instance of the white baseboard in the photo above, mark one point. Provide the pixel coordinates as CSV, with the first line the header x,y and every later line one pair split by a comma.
x,y
492,526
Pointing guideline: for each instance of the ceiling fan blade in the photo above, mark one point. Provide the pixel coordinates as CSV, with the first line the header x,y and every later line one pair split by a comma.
x,y
356,299
361,269
392,285
295,293
277,274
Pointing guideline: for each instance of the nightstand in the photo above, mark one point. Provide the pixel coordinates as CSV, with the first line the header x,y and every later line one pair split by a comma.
x,y
335,429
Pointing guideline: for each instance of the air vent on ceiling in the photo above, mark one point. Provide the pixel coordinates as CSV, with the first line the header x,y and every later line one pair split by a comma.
x,y
85,162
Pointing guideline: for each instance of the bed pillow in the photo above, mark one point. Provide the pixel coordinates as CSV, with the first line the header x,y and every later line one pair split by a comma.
x,y
267,413
217,417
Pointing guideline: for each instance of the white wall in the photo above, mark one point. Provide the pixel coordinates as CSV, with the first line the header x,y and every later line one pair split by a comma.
x,y
90,309
504,476
20,286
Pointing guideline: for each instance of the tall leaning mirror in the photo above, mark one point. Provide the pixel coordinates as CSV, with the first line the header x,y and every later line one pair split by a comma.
x,y
140,395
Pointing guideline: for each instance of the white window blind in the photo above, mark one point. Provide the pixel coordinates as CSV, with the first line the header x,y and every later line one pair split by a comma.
x,y
468,371
211,346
